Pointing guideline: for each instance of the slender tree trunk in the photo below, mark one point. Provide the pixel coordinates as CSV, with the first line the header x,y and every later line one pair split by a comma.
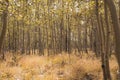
x,y
41,50
101,39
107,43
116,28
8,38
4,25
28,42
119,11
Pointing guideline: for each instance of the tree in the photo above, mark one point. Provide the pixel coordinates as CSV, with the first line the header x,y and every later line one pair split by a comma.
x,y
107,42
4,25
116,28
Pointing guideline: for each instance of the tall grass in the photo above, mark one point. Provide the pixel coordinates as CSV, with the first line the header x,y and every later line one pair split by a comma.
x,y
58,67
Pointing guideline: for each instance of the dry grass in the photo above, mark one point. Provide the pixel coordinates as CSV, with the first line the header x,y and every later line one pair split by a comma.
x,y
59,67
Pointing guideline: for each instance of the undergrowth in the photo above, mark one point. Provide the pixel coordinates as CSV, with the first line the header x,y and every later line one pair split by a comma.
x,y
58,67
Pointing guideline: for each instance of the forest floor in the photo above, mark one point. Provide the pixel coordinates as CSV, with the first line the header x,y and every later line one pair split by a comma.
x,y
58,67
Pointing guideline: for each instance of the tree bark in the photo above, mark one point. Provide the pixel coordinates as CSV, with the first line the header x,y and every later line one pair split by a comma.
x,y
4,25
107,43
116,28
101,40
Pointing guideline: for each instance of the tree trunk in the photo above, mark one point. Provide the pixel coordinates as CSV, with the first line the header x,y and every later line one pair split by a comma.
x,y
116,28
101,40
107,43
5,13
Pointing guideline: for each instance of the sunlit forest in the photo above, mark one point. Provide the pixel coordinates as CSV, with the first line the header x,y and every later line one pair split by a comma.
x,y
59,39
